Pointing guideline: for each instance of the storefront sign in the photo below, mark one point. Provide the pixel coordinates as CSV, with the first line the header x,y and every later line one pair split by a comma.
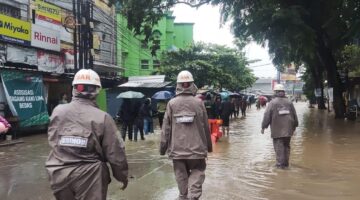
x,y
64,35
17,54
45,38
47,12
14,30
331,94
48,62
25,95
317,92
2,54
69,59
103,6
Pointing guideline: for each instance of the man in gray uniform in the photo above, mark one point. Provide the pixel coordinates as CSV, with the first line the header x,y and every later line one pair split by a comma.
x,y
280,114
83,138
186,137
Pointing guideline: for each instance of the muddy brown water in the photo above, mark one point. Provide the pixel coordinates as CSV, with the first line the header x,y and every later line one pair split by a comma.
x,y
325,164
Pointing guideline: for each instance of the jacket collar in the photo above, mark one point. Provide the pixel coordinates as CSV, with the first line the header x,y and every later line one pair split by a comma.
x,y
84,101
190,90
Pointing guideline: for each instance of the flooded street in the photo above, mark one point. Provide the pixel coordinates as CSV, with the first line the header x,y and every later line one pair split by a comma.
x,y
324,164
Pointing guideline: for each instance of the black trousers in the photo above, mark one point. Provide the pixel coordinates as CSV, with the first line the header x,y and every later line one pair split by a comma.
x,y
139,126
127,127
161,118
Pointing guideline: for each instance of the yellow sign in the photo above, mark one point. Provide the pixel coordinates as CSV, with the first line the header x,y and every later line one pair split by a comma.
x,y
14,30
47,12
103,5
288,77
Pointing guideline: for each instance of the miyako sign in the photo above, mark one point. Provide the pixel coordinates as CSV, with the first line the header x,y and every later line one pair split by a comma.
x,y
14,30
45,38
47,12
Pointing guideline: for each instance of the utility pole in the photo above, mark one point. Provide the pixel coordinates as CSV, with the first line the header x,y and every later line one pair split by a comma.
x,y
278,76
75,36
83,39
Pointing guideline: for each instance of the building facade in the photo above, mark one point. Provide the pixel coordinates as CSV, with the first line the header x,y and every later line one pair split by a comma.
x,y
37,54
134,55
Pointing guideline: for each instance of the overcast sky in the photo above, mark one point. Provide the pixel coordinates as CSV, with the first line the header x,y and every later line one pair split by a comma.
x,y
207,29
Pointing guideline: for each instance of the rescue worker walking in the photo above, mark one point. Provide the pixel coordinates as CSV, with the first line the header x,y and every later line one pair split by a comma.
x,y
186,137
280,114
82,139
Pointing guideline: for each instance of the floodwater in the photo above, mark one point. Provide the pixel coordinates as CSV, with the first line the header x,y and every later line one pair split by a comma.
x,y
324,164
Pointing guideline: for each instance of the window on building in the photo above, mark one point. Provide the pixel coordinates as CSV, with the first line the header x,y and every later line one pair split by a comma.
x,y
144,64
156,64
155,47
10,11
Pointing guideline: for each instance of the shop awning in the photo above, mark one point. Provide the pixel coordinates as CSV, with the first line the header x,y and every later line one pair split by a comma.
x,y
156,81
104,67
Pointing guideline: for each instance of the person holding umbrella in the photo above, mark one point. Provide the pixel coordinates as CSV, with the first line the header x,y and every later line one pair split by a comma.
x,y
148,121
127,115
162,97
226,109
129,111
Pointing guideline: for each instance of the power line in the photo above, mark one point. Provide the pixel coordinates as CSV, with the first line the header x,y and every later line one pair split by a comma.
x,y
260,65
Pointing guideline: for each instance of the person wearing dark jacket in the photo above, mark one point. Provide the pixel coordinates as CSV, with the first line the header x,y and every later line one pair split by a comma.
x,y
243,106
280,114
186,137
148,120
139,121
216,107
127,115
226,109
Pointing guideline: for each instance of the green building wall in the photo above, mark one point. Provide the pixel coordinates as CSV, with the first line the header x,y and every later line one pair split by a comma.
x,y
183,35
131,52
101,100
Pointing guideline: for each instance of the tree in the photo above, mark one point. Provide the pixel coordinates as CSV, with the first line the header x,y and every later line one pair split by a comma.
x,y
350,60
211,65
301,31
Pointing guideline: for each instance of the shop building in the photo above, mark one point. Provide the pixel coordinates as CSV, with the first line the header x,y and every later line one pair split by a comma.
x,y
135,56
37,56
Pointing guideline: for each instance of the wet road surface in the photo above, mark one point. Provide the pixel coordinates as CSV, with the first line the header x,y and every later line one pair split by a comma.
x,y
325,164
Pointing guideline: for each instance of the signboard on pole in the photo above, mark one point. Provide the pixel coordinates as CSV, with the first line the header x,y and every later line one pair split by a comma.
x,y
18,54
25,95
48,62
14,30
317,92
45,38
331,94
47,12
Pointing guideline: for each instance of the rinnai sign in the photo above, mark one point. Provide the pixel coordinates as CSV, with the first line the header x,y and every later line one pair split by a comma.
x,y
47,12
45,38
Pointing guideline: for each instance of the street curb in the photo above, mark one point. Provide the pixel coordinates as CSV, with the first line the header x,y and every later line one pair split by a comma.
x,y
10,143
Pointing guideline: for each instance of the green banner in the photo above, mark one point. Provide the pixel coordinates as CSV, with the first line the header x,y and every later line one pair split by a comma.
x,y
25,95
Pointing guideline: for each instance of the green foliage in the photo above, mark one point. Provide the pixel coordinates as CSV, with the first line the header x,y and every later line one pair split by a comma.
x,y
309,86
351,60
211,65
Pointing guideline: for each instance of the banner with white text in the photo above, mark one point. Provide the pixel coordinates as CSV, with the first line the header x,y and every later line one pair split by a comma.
x,y
25,95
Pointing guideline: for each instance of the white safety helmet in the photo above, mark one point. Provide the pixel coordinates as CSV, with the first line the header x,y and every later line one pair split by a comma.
x,y
87,77
184,76
279,87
